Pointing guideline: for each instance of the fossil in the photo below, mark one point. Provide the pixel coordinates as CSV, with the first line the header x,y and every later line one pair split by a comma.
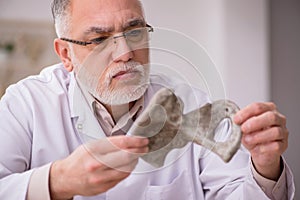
x,y
164,123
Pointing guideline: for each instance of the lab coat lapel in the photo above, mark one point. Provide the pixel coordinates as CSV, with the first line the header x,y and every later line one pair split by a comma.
x,y
86,124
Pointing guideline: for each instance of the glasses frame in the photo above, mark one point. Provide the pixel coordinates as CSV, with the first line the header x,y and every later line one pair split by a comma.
x,y
86,43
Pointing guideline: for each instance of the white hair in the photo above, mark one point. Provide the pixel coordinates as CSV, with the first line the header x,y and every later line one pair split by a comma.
x,y
62,16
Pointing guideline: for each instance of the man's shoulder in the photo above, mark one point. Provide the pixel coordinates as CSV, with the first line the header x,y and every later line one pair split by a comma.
x,y
52,83
50,74
54,78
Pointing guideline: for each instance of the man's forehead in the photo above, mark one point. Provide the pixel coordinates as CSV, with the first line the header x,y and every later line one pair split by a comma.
x,y
133,22
106,13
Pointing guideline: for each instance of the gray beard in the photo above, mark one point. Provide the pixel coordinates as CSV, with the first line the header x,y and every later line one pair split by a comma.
x,y
123,93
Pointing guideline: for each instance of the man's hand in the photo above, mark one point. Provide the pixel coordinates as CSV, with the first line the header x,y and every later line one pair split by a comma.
x,y
265,135
96,167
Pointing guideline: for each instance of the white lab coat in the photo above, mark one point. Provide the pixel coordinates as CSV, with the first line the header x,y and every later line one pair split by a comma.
x,y
44,118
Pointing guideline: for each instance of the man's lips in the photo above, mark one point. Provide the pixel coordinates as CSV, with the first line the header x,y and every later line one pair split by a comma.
x,y
124,74
120,73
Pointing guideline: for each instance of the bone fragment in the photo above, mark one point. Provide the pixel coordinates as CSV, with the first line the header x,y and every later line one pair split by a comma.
x,y
164,123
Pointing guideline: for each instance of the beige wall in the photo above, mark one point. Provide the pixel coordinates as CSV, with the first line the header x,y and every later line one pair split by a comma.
x,y
33,10
27,26
235,35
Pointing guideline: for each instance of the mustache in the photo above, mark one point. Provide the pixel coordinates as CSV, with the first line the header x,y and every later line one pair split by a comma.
x,y
124,67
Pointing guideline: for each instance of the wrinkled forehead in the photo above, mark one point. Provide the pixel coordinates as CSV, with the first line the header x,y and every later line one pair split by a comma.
x,y
116,21
112,14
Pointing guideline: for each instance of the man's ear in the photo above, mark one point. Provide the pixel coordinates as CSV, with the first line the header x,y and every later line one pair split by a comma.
x,y
63,51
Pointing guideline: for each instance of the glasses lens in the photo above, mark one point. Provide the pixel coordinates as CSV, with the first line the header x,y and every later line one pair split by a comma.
x,y
136,38
104,43
137,35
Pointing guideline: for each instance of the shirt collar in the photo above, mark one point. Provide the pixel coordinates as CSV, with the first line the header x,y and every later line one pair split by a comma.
x,y
128,118
107,122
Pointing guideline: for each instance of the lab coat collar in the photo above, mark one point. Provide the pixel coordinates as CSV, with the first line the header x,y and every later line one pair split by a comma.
x,y
82,110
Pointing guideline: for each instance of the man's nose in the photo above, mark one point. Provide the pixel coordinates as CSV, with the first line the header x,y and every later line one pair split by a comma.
x,y
123,51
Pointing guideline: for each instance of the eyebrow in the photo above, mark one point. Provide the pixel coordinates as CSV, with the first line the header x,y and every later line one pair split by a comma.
x,y
101,30
98,30
133,23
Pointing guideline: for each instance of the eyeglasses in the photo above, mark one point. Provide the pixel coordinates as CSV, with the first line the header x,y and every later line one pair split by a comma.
x,y
133,36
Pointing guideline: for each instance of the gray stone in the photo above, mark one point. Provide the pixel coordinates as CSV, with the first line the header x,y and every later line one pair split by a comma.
x,y
164,123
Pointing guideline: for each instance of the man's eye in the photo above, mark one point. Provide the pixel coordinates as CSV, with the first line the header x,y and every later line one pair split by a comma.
x,y
135,32
99,40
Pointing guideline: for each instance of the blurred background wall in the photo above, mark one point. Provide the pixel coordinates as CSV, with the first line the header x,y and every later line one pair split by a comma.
x,y
254,44
285,73
26,39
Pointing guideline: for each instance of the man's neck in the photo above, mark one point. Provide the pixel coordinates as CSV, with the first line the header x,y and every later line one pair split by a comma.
x,y
117,111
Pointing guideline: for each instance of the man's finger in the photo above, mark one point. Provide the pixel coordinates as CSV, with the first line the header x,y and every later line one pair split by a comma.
x,y
127,142
116,143
121,158
265,136
252,110
263,121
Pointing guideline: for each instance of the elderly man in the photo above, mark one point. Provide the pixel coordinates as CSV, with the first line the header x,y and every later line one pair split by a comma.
x,y
48,122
